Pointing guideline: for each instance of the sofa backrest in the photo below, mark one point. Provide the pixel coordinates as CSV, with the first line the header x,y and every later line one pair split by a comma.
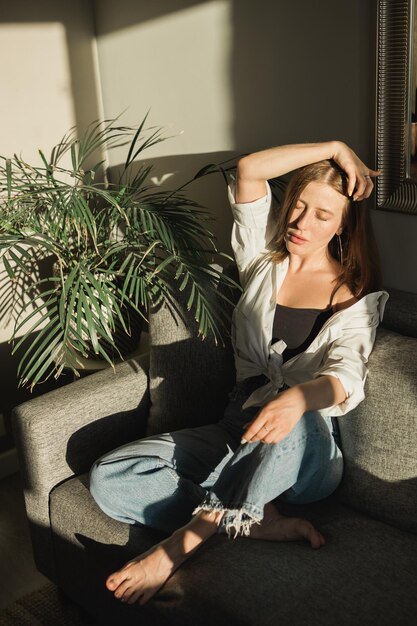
x,y
379,437
189,378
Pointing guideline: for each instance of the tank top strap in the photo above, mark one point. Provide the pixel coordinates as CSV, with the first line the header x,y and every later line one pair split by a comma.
x,y
332,295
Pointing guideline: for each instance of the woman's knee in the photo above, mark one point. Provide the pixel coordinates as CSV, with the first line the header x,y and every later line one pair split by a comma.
x,y
104,484
116,476
321,468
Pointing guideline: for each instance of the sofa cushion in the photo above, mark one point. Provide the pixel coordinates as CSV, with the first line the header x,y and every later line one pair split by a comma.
x,y
365,574
189,377
379,437
401,312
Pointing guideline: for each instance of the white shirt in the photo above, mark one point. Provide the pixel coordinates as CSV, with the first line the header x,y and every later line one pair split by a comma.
x,y
340,349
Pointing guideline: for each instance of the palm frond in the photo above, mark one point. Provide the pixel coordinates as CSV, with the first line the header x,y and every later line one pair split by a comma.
x,y
114,249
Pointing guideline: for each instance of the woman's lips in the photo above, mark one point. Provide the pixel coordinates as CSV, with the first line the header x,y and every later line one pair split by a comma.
x,y
296,239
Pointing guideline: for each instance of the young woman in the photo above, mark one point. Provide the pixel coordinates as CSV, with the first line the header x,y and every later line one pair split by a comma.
x,y
302,333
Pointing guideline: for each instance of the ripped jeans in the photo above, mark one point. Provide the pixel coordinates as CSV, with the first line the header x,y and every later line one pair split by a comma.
x,y
162,480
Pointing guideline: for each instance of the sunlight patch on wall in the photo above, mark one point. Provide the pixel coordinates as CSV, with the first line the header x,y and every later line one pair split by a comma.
x,y
178,66
36,106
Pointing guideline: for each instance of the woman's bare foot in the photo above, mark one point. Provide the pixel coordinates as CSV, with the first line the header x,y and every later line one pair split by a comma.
x,y
277,527
141,578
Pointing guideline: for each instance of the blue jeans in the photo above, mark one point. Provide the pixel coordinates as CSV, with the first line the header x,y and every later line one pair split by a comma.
x,y
162,480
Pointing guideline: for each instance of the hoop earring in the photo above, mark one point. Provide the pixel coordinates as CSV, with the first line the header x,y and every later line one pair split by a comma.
x,y
340,250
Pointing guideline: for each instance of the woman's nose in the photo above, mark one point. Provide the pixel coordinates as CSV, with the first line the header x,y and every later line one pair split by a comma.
x,y
302,220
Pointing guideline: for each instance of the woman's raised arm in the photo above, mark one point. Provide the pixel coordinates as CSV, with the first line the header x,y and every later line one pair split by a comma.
x,y
254,169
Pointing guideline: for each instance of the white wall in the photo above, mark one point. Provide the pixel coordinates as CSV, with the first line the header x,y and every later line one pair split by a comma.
x,y
239,76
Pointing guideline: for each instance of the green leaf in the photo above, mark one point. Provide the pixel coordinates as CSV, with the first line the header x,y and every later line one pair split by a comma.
x,y
9,269
36,311
99,312
50,330
163,264
9,178
36,373
91,327
134,141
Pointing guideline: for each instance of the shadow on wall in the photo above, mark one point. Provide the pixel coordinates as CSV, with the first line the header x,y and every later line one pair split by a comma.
x,y
170,172
293,74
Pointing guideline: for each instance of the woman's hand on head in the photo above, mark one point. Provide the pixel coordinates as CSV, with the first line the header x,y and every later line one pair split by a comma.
x,y
276,419
359,175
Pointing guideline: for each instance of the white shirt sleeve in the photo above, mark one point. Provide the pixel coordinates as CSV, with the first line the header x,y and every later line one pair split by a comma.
x,y
348,365
346,360
253,229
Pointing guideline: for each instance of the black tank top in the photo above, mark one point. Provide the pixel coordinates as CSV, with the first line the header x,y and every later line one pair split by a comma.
x,y
298,327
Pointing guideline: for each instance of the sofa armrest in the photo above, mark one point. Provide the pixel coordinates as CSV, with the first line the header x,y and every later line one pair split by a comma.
x,y
61,433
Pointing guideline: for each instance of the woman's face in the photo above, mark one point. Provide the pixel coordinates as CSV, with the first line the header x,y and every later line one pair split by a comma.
x,y
315,219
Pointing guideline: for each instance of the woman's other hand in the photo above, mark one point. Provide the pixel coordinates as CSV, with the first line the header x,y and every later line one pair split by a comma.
x,y
359,175
277,418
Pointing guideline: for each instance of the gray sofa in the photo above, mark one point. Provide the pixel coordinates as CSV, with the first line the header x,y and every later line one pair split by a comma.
x,y
366,573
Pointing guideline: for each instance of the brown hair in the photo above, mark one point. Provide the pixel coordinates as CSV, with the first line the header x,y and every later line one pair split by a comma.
x,y
360,263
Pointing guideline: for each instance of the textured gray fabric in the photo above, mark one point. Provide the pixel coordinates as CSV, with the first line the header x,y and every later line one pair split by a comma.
x,y
379,438
189,377
88,546
401,312
62,432
364,575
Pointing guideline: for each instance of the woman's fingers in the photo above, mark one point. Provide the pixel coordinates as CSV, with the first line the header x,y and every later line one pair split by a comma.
x,y
364,184
364,188
272,435
368,189
361,184
255,432
351,174
262,431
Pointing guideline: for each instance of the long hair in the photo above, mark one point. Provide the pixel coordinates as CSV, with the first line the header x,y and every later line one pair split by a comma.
x,y
360,262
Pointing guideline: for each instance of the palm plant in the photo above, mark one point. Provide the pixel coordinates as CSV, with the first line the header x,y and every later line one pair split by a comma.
x,y
110,249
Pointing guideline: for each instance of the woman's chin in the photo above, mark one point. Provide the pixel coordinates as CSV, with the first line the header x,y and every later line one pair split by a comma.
x,y
294,248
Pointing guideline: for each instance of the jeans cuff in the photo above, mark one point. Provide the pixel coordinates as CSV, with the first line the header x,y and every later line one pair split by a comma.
x,y
237,519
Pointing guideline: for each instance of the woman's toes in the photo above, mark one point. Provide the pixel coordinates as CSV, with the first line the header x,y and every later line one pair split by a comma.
x,y
127,595
316,539
135,597
117,578
113,582
122,589
147,596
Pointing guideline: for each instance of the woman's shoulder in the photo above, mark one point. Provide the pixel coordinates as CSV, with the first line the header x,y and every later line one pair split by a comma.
x,y
371,304
343,298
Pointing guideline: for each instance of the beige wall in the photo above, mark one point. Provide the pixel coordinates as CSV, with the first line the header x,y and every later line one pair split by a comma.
x,y
238,76
49,77
172,57
49,84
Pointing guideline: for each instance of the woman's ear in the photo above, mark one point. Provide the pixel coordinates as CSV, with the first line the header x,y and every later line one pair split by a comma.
x,y
340,231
